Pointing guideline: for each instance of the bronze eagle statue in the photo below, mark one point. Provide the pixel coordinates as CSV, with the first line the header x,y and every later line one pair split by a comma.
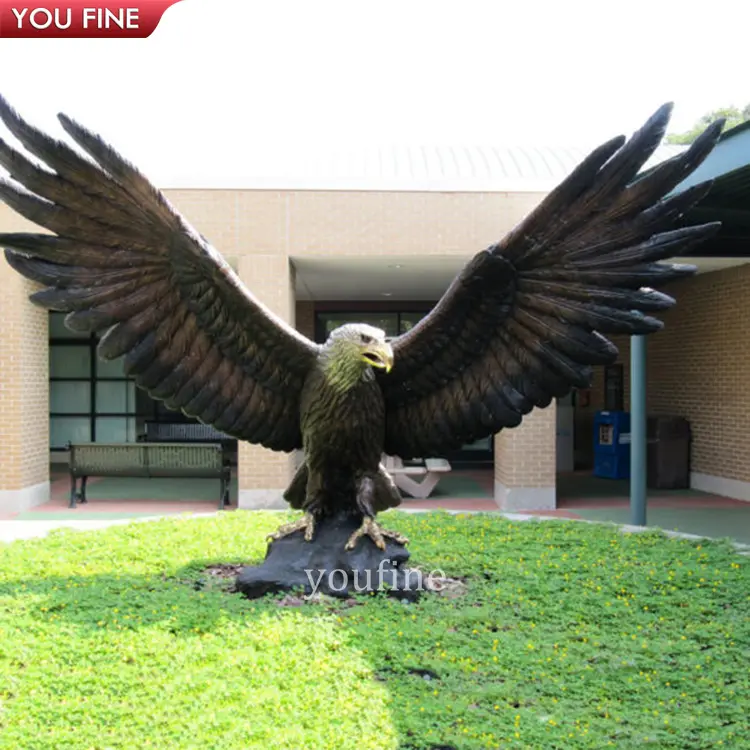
x,y
523,322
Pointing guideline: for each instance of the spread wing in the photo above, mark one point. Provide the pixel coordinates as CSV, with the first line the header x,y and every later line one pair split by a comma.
x,y
121,260
526,319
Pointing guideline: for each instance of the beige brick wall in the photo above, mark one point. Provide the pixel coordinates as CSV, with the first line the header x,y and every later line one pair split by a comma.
x,y
525,463
238,222
24,381
699,368
525,455
356,223
305,223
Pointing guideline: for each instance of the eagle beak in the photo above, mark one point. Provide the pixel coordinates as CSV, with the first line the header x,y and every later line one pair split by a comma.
x,y
379,355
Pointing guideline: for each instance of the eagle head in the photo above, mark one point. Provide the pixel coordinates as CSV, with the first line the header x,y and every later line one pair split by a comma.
x,y
352,349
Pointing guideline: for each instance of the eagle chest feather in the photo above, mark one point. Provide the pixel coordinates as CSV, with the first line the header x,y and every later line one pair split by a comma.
x,y
344,425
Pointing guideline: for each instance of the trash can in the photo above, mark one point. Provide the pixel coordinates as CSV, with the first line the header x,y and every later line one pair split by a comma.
x,y
668,453
612,444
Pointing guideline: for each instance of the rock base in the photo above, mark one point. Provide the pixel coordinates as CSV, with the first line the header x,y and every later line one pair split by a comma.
x,y
323,565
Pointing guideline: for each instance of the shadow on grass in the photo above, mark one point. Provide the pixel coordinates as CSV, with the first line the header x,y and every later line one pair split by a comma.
x,y
116,621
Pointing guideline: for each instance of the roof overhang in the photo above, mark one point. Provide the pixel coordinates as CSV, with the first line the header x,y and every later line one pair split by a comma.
x,y
403,278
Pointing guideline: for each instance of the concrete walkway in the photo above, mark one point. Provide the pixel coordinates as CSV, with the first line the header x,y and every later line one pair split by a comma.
x,y
11,531
580,497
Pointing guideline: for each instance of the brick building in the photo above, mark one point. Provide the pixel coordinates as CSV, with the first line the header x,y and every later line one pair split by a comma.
x,y
380,245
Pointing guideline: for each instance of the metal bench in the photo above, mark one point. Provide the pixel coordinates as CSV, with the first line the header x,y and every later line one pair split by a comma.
x,y
200,460
429,473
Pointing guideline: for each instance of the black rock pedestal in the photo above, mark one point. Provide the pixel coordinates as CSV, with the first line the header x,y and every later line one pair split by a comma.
x,y
323,565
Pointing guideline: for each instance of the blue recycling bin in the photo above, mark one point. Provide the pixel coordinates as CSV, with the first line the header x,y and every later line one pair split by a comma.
x,y
612,444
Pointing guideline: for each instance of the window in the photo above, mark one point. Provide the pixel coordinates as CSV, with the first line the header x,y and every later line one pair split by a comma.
x,y
408,320
90,400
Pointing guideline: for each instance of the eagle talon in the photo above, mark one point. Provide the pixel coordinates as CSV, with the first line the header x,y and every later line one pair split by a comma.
x,y
306,523
376,532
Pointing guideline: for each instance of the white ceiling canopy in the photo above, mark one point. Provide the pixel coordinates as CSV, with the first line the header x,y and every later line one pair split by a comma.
x,y
415,278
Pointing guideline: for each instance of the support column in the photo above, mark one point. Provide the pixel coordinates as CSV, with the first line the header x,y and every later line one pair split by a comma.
x,y
263,475
24,395
525,463
638,437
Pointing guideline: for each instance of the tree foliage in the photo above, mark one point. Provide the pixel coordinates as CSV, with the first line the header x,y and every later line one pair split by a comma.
x,y
733,115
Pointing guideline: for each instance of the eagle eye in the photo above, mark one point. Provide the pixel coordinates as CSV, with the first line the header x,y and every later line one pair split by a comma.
x,y
366,339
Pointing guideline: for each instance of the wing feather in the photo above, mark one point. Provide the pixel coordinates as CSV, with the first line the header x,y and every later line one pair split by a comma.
x,y
122,262
526,320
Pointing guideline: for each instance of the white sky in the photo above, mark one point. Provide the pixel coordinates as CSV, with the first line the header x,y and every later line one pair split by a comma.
x,y
223,80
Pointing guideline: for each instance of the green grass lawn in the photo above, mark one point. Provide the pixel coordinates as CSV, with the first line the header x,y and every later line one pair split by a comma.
x,y
569,636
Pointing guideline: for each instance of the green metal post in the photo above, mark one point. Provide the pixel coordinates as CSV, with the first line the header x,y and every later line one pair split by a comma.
x,y
638,438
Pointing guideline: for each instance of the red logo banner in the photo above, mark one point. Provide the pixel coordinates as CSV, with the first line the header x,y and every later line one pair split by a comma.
x,y
79,19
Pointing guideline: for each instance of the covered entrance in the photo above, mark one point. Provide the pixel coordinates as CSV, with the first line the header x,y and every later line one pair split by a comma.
x,y
697,368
